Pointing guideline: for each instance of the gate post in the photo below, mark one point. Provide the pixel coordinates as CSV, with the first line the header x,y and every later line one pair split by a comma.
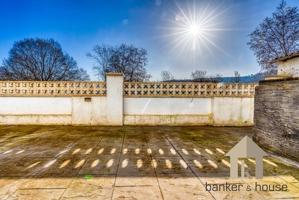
x,y
114,100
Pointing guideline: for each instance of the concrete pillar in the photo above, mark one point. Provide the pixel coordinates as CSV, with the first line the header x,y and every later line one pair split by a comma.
x,y
114,85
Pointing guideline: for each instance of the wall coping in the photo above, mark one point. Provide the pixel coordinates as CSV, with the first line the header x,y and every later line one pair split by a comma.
x,y
282,79
114,74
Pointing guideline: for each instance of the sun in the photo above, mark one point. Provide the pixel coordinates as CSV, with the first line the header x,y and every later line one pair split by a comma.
x,y
196,28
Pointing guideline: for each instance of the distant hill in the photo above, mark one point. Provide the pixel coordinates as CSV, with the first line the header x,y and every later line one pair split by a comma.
x,y
253,78
244,79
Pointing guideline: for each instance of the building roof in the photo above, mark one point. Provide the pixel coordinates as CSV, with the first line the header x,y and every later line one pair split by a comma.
x,y
284,58
246,148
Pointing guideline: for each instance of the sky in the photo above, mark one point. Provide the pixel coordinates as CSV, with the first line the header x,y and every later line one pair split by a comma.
x,y
159,26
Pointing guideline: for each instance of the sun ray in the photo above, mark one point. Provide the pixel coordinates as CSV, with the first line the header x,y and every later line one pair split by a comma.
x,y
196,28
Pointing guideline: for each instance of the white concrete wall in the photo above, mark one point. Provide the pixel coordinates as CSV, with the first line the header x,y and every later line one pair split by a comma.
x,y
53,110
89,113
219,111
35,110
167,111
231,111
167,106
35,105
114,109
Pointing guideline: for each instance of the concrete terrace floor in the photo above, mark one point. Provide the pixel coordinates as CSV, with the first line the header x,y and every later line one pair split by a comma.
x,y
64,162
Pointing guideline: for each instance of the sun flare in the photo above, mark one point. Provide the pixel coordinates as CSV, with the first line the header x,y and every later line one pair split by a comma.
x,y
196,28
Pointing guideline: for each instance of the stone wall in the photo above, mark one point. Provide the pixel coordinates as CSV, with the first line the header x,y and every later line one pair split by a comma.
x,y
276,116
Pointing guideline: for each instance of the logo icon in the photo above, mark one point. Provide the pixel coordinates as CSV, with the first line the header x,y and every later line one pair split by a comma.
x,y
246,148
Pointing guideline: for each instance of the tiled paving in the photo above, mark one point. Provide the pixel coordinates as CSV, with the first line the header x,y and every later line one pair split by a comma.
x,y
61,162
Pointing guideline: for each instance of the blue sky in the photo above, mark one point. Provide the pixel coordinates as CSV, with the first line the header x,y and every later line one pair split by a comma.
x,y
78,25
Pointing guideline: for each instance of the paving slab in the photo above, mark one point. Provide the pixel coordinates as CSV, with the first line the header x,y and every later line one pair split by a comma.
x,y
34,194
66,162
137,192
93,188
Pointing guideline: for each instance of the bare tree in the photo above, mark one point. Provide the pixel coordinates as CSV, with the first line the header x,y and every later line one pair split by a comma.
x,y
276,36
126,59
166,76
41,60
198,75
237,77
